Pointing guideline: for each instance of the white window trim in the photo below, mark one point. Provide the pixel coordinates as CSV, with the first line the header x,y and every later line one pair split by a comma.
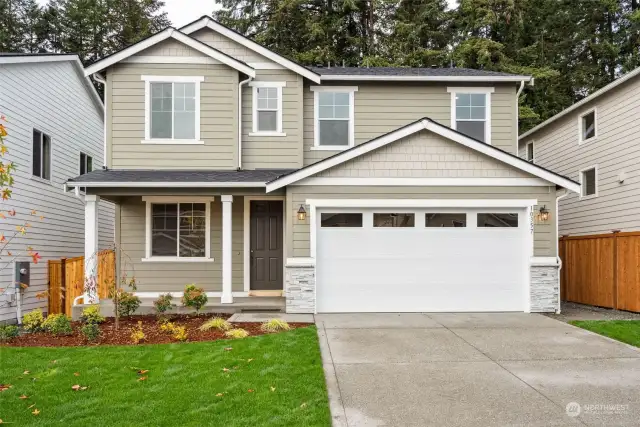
x,y
278,86
351,90
36,177
526,152
177,199
582,187
487,91
593,110
86,156
147,108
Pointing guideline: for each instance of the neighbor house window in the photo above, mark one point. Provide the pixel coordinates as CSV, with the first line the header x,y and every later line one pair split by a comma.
x,y
588,126
490,220
530,152
445,220
172,109
589,182
334,123
86,166
471,112
394,220
267,108
340,220
178,231
41,156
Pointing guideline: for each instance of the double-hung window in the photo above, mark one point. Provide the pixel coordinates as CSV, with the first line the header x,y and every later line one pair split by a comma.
x,y
41,155
588,126
471,111
530,152
172,109
267,108
334,117
589,182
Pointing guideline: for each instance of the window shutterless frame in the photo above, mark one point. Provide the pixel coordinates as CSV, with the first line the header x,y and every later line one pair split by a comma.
x,y
583,184
487,91
316,116
86,166
41,156
254,95
581,129
530,152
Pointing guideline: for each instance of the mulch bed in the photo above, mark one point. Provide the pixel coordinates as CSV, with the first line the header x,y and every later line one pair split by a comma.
x,y
150,326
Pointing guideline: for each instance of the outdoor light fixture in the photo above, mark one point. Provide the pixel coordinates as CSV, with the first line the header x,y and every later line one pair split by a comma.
x,y
543,214
302,214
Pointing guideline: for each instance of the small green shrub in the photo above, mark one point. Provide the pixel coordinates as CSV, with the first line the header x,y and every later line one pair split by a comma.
x,y
8,332
163,303
275,325
217,323
236,333
91,331
57,324
32,322
92,314
127,303
194,297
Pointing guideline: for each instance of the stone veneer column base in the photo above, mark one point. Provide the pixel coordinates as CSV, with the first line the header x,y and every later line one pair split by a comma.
x,y
545,288
300,285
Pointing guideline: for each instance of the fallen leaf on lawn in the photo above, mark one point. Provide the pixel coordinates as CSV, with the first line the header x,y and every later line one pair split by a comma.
x,y
249,360
35,411
235,367
225,370
84,388
1,422
54,361
4,387
76,374
228,348
142,378
76,387
273,388
31,406
143,371
251,390
304,405
220,394
24,397
26,373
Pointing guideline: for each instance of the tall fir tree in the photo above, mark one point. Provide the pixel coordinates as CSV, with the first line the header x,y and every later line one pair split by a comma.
x,y
11,30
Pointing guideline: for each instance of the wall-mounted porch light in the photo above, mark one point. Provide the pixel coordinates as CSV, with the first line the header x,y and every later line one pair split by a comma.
x,y
543,213
302,213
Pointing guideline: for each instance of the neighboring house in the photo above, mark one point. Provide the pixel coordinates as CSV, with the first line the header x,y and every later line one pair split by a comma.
x,y
345,189
54,123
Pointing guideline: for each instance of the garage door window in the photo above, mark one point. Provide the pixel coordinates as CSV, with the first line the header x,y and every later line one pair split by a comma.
x,y
445,220
341,220
500,220
394,220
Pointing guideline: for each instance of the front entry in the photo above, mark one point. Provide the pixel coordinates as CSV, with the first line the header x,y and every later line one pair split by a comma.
x,y
266,244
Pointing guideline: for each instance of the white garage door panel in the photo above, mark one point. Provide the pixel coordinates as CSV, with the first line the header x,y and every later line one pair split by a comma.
x,y
420,269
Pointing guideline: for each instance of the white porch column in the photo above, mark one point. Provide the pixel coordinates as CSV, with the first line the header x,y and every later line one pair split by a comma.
x,y
91,247
227,297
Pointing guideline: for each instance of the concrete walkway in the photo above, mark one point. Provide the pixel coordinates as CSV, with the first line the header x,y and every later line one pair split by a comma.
x,y
498,369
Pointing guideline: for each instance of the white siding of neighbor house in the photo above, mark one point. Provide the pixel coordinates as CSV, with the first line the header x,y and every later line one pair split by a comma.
x,y
50,97
615,150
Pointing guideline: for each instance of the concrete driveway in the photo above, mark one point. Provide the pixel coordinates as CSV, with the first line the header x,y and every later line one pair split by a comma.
x,y
497,369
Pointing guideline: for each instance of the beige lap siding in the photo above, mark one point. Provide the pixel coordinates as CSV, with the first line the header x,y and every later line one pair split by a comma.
x,y
544,233
173,276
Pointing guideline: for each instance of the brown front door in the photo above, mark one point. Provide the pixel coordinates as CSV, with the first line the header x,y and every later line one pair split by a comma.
x,y
266,244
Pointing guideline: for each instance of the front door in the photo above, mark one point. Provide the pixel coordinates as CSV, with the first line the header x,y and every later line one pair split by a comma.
x,y
266,244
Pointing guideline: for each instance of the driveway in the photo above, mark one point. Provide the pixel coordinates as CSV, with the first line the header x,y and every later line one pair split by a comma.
x,y
494,369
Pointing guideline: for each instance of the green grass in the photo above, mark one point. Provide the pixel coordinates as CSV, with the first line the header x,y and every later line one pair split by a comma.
x,y
627,331
181,385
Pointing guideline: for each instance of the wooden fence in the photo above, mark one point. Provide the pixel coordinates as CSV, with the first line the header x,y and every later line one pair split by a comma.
x,y
66,280
602,270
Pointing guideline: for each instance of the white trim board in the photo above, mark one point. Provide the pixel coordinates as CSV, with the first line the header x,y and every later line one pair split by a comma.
x,y
164,35
179,294
166,184
357,77
421,203
207,22
429,182
418,126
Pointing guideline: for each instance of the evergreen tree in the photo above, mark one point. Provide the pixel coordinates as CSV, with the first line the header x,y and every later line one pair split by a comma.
x,y
11,30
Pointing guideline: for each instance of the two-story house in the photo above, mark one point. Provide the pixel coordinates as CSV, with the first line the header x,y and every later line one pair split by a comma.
x,y
343,189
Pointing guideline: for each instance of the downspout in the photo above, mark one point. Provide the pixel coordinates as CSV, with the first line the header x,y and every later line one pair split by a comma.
x,y
242,83
100,79
520,89
559,260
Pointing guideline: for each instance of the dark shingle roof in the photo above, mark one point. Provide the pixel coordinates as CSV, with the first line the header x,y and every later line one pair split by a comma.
x,y
179,176
406,71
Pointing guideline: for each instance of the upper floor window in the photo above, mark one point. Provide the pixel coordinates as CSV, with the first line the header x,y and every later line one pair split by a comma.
x,y
267,108
530,152
41,156
172,109
86,163
471,111
334,117
588,125
589,182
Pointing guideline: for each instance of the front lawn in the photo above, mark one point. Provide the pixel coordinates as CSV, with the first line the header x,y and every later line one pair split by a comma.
x,y
268,380
627,331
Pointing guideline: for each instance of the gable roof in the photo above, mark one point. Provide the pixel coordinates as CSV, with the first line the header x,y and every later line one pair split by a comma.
x,y
415,74
208,22
417,126
165,34
27,58
582,102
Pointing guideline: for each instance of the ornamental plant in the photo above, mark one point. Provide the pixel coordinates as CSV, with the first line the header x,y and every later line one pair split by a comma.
x,y
8,332
126,303
275,325
91,331
57,324
194,297
217,323
91,315
32,321
163,304
137,335
236,333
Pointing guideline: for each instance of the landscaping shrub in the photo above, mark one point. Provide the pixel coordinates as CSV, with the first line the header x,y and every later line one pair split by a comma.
x,y
32,322
167,327
92,314
236,333
275,325
194,297
127,303
8,332
177,332
217,323
137,335
91,331
163,303
57,324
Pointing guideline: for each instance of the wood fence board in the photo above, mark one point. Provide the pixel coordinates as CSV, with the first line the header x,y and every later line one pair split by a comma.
x,y
629,273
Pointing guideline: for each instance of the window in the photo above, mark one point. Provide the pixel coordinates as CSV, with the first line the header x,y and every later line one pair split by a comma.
x,y
394,220
471,112
587,124
172,109
177,231
267,108
334,125
589,182
341,220
530,152
41,156
445,220
86,163
487,220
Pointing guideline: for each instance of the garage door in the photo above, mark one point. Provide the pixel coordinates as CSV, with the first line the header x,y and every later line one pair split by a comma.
x,y
420,260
